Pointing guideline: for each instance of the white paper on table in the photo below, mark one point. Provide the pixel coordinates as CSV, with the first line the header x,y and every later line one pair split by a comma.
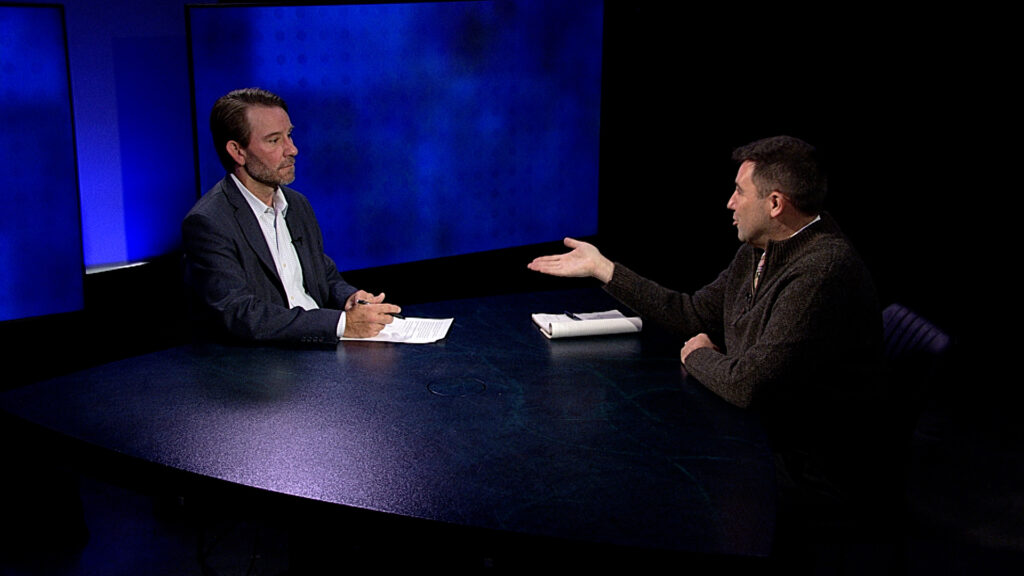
x,y
412,331
588,324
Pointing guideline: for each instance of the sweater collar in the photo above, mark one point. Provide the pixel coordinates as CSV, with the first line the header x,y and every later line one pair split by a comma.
x,y
823,224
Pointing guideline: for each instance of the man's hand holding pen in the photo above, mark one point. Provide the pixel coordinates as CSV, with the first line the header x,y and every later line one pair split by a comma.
x,y
367,314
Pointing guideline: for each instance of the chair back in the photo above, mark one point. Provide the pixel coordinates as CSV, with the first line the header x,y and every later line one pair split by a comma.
x,y
908,335
916,351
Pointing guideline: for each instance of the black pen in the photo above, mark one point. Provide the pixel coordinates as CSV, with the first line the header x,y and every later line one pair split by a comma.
x,y
573,316
395,314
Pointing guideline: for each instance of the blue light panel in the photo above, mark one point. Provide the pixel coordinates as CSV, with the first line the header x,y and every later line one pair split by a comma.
x,y
41,268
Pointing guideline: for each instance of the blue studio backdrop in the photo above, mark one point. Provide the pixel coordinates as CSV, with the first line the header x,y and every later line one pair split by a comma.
x,y
424,129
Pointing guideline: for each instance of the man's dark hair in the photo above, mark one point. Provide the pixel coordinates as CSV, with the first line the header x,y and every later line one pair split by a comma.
x,y
789,165
228,119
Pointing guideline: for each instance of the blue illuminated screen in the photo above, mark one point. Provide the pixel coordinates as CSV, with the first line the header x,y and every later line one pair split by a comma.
x,y
41,266
424,129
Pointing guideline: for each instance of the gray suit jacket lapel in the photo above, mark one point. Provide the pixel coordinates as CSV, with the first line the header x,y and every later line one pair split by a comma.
x,y
250,227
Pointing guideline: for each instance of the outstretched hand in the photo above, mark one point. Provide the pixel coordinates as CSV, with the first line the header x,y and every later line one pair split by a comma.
x,y
366,314
584,260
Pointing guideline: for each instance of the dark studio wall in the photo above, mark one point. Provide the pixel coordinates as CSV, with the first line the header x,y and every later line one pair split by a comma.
x,y
910,109
898,104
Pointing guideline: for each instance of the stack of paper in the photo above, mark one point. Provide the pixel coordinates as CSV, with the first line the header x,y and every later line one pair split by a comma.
x,y
568,325
412,331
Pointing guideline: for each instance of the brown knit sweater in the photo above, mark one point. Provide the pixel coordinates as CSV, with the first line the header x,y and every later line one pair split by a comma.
x,y
804,350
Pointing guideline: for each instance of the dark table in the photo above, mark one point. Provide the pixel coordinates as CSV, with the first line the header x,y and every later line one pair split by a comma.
x,y
601,440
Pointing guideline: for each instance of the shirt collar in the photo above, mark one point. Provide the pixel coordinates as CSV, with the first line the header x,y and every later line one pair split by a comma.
x,y
257,205
816,218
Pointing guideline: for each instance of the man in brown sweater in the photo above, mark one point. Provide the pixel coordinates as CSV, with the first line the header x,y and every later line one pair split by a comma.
x,y
791,329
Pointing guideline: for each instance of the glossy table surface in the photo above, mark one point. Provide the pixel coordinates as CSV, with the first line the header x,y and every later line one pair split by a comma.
x,y
600,439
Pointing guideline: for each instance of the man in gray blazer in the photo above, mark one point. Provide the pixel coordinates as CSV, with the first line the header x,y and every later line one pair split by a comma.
x,y
253,249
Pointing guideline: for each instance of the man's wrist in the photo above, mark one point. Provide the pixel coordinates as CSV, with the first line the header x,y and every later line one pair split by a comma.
x,y
605,271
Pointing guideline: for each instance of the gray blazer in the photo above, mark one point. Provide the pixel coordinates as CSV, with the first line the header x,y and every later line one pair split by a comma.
x,y
231,273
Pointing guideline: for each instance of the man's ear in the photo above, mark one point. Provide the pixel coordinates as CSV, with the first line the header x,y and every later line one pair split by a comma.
x,y
236,152
777,202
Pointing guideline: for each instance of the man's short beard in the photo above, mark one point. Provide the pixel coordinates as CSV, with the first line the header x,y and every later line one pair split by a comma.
x,y
258,171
